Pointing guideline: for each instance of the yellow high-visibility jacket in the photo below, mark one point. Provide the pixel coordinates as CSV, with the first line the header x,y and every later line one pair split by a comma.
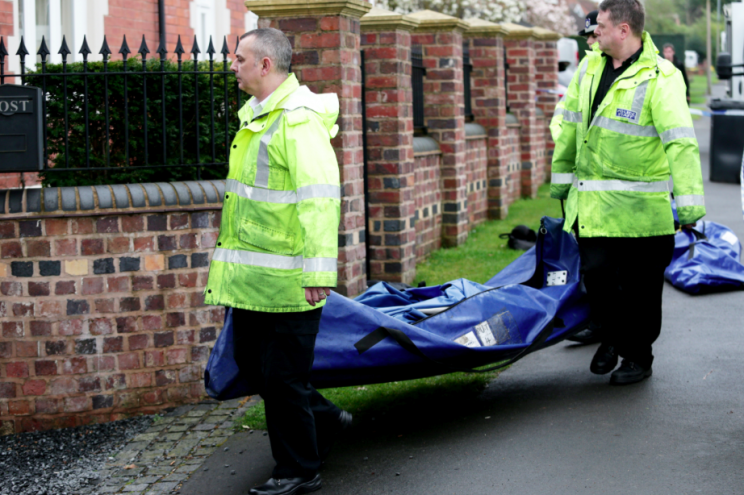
x,y
614,170
280,217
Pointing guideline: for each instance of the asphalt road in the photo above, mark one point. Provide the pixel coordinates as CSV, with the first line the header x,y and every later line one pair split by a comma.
x,y
549,426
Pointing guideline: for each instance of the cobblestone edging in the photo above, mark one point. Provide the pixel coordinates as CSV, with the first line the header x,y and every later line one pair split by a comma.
x,y
159,460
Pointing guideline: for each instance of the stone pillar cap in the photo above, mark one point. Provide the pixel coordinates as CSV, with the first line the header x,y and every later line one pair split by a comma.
x,y
435,21
483,27
516,32
297,8
379,19
546,34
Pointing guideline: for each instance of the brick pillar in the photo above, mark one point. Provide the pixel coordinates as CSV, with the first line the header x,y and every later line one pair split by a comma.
x,y
521,86
325,38
546,76
441,38
386,41
489,106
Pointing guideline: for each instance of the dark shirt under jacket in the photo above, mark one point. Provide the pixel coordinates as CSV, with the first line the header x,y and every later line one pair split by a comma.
x,y
681,67
609,75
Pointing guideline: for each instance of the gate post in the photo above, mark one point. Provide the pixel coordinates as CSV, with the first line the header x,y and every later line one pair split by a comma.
x,y
441,38
521,86
386,40
486,44
325,41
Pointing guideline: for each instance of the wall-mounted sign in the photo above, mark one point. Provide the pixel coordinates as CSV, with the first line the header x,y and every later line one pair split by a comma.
x,y
21,146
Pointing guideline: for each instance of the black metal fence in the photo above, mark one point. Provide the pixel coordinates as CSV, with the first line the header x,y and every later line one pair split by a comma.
x,y
417,83
467,68
136,119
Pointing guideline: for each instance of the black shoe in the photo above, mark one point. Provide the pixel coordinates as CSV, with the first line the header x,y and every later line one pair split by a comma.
x,y
586,337
629,372
604,360
344,423
288,486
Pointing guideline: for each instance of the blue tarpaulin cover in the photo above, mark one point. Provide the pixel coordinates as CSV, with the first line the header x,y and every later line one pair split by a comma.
x,y
706,260
388,335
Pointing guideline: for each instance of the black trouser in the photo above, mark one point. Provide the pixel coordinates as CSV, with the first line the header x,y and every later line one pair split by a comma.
x,y
624,279
275,351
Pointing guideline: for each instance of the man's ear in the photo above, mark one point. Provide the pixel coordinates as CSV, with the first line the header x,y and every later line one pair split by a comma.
x,y
265,66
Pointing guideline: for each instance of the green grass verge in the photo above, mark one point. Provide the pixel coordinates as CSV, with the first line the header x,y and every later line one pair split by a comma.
x,y
485,254
698,87
481,257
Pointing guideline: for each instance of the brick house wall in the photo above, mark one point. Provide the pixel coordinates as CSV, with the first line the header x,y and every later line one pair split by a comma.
x,y
6,18
102,309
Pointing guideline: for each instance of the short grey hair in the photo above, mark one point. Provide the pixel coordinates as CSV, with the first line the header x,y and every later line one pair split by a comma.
x,y
628,11
668,45
273,44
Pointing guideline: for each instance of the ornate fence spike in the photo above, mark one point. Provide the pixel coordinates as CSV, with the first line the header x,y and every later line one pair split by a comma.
x,y
64,50
124,50
105,50
3,50
225,50
195,48
22,51
85,49
162,51
210,50
179,48
43,50
143,50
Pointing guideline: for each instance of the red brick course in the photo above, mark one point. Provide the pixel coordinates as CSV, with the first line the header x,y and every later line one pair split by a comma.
x,y
90,331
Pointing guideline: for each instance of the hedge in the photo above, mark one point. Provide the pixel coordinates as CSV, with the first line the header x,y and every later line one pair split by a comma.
x,y
134,170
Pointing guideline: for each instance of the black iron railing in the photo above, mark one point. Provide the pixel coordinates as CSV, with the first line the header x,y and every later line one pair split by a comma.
x,y
132,119
467,68
417,83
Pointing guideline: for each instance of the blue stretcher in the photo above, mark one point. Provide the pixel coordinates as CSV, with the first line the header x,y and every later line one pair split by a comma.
x,y
706,260
389,335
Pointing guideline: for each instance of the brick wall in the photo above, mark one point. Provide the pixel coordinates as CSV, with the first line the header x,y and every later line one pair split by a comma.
x,y
487,78
386,41
477,164
441,39
546,76
428,194
326,59
102,312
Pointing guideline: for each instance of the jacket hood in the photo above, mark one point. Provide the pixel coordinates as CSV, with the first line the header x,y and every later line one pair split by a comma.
x,y
291,96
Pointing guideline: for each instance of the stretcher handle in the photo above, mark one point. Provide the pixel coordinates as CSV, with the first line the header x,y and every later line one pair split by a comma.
x,y
405,342
700,237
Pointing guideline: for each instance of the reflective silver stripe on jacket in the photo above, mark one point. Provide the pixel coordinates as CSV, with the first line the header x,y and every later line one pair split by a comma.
x,y
558,111
260,194
620,185
263,260
690,200
569,116
638,99
318,191
262,165
320,265
557,178
677,133
627,129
